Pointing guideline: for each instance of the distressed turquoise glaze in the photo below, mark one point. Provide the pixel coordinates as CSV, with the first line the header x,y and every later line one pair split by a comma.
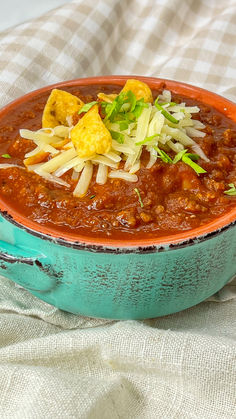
x,y
117,283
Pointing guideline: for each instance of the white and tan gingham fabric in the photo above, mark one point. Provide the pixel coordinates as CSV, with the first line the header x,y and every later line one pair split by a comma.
x,y
57,365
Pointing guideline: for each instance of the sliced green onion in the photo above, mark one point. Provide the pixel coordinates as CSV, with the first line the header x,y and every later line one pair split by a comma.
x,y
112,109
130,117
123,125
117,136
92,196
147,139
163,155
124,107
198,169
6,156
188,158
140,104
166,114
131,99
231,191
139,197
179,156
193,157
87,106
109,109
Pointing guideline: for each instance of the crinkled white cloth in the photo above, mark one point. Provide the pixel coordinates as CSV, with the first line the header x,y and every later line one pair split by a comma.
x,y
57,365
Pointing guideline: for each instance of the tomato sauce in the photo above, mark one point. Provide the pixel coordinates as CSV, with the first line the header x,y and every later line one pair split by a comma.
x,y
174,198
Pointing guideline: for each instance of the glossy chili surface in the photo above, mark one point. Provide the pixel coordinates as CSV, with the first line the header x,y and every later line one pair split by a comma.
x,y
174,198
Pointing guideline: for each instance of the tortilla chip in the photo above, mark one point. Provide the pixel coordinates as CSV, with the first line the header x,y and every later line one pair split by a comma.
x,y
59,106
90,136
140,89
107,98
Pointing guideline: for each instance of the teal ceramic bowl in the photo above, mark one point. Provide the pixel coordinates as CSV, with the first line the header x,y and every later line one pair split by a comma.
x,y
105,278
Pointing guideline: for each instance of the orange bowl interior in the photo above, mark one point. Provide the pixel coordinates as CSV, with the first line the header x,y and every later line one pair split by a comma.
x,y
223,105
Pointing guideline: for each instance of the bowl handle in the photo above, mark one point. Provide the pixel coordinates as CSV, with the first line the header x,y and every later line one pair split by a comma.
x,y
27,267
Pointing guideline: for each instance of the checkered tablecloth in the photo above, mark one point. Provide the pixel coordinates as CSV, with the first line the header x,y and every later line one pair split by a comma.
x,y
57,365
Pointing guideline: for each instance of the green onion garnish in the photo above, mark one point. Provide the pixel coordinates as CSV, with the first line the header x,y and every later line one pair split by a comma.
x,y
193,157
87,106
123,125
189,161
179,156
231,191
92,196
112,109
140,104
147,139
139,197
166,114
131,100
124,107
120,138
163,155
187,158
6,156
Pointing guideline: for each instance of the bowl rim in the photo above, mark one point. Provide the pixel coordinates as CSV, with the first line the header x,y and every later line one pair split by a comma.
x,y
207,230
